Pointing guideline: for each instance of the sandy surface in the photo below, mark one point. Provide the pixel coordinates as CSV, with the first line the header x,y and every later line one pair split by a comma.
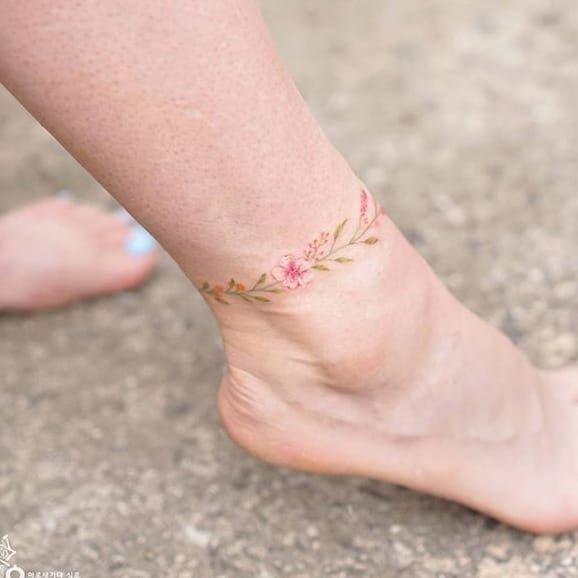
x,y
462,118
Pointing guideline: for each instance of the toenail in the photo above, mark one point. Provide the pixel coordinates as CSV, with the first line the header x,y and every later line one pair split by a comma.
x,y
123,215
139,242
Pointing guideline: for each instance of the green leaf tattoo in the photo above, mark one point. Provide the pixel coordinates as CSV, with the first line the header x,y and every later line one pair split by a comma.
x,y
296,271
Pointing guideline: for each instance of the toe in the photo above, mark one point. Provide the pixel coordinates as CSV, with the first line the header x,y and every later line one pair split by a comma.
x,y
106,228
113,238
131,257
139,241
88,214
122,271
128,253
48,206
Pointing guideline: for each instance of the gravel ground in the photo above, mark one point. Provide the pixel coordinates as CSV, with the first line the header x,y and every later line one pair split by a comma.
x,y
462,117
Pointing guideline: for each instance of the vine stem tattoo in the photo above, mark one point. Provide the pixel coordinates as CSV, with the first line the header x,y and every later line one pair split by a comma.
x,y
296,271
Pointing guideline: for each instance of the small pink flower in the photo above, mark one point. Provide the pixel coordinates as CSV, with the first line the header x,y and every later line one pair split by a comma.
x,y
363,205
293,272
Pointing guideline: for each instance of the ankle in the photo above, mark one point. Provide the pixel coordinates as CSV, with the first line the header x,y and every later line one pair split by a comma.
x,y
366,321
331,353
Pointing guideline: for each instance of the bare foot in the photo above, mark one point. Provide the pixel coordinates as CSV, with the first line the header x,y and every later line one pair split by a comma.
x,y
54,252
376,370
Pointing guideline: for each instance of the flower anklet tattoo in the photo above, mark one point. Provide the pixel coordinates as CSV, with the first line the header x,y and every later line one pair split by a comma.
x,y
295,271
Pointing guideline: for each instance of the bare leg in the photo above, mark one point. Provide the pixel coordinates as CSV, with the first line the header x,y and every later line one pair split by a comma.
x,y
348,356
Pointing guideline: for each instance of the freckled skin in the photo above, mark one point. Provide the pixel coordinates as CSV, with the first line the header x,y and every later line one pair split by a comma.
x,y
183,111
156,103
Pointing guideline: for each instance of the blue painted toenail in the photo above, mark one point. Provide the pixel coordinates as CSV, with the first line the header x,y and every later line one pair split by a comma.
x,y
139,242
122,214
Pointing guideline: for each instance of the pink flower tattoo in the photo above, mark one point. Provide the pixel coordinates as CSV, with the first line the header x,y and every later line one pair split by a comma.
x,y
363,205
295,272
